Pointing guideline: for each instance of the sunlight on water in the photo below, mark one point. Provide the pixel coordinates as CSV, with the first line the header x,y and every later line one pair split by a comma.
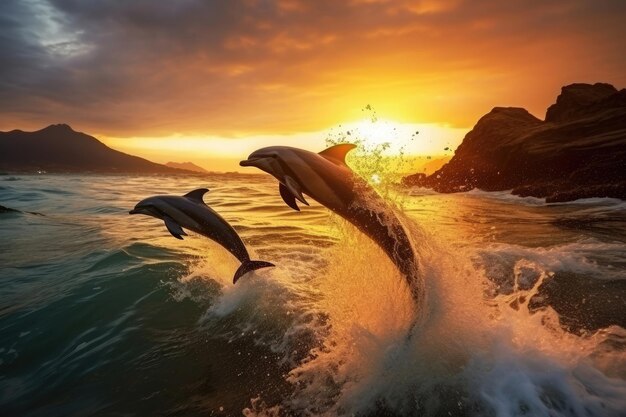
x,y
521,315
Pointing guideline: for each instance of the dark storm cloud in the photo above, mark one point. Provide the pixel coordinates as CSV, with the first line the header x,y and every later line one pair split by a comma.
x,y
199,65
21,55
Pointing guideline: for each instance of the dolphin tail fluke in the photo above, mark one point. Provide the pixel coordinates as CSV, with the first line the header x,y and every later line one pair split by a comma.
x,y
248,266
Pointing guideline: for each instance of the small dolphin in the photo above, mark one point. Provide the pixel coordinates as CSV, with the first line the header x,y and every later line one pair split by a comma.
x,y
326,178
190,212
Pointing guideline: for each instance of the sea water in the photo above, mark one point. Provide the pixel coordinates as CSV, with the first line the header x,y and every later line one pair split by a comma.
x,y
103,313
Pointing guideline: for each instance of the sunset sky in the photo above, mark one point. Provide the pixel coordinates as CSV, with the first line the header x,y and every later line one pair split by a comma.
x,y
210,81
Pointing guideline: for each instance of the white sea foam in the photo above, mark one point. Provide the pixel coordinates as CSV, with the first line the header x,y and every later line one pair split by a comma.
x,y
577,257
468,356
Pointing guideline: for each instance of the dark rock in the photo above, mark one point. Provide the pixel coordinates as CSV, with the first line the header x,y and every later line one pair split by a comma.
x,y
4,209
584,304
575,98
415,179
601,190
8,210
579,153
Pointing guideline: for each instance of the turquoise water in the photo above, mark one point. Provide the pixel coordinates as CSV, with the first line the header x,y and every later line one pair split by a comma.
x,y
102,313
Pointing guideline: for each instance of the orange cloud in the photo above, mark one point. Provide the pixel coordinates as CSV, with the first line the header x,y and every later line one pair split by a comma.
x,y
242,68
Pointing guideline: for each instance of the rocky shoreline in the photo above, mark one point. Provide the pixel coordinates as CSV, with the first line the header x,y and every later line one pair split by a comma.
x,y
578,151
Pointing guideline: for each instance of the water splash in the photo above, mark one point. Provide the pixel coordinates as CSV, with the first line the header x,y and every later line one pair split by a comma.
x,y
371,159
470,355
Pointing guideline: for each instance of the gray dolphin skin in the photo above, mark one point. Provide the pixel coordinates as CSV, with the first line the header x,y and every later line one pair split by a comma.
x,y
190,211
326,178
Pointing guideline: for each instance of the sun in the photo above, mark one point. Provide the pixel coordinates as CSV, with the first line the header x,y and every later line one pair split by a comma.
x,y
386,136
386,148
392,138
378,132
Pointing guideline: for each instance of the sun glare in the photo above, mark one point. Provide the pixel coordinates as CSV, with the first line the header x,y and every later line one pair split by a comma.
x,y
373,135
394,138
379,134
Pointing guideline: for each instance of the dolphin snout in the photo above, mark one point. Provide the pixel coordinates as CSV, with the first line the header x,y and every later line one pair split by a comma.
x,y
247,163
140,210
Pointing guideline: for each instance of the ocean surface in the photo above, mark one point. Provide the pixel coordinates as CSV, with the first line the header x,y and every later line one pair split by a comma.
x,y
106,314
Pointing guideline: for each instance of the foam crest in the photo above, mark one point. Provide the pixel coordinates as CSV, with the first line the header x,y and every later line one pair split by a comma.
x,y
469,355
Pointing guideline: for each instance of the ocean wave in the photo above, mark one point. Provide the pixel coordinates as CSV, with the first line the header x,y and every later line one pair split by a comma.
x,y
93,299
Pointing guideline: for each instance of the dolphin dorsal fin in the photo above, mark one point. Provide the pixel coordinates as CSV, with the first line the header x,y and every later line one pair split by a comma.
x,y
196,195
337,153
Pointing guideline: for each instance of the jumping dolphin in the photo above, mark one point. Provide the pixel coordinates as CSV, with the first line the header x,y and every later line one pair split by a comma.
x,y
326,178
190,212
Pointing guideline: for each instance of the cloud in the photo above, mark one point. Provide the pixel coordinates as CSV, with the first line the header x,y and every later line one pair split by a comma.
x,y
236,67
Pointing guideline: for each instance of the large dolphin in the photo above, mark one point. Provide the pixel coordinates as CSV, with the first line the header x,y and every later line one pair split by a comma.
x,y
190,211
326,178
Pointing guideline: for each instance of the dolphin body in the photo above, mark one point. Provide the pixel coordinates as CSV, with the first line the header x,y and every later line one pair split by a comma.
x,y
190,211
326,178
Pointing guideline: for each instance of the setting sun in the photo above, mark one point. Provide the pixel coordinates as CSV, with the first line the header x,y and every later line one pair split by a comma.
x,y
222,154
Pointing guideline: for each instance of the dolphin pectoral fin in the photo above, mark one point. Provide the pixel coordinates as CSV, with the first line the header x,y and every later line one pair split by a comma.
x,y
174,228
337,153
294,189
196,195
288,197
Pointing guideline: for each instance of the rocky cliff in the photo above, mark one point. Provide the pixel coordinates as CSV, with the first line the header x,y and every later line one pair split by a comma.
x,y
578,151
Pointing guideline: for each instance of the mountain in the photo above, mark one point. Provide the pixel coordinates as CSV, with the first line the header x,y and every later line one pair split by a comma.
x,y
578,151
189,166
58,148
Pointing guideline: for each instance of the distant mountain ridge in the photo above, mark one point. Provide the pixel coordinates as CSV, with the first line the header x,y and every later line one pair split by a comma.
x,y
189,166
579,151
59,148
